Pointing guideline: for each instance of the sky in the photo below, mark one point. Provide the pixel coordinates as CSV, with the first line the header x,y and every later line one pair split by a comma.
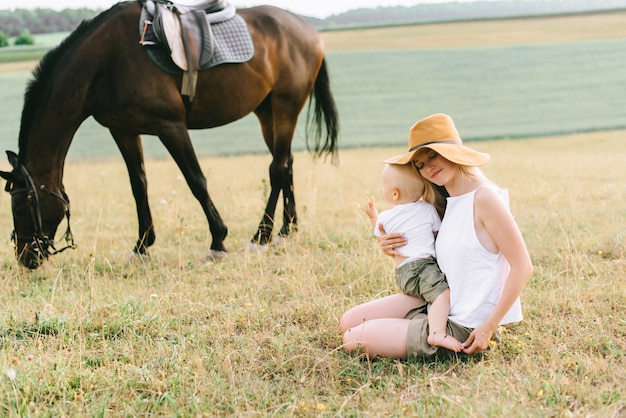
x,y
314,8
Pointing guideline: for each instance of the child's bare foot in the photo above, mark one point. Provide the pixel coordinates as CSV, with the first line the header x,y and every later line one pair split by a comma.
x,y
443,340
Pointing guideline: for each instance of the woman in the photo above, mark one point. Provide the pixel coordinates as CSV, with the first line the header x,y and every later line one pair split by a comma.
x,y
479,248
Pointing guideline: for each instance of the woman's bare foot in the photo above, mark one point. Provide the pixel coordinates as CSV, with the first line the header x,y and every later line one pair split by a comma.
x,y
443,340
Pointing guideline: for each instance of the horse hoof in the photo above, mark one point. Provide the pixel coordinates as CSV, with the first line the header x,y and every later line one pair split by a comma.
x,y
135,258
253,247
215,256
280,240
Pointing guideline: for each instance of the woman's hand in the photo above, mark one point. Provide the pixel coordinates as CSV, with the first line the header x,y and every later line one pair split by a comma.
x,y
478,340
390,242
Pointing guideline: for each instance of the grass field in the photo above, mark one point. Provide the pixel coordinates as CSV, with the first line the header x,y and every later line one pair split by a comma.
x,y
494,91
30,54
89,334
257,335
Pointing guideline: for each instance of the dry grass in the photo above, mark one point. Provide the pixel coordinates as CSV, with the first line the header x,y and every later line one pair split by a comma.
x,y
10,67
90,335
551,29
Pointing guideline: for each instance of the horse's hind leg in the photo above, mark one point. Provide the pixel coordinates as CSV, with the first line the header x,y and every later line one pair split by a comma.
x,y
290,218
278,138
180,148
132,152
281,180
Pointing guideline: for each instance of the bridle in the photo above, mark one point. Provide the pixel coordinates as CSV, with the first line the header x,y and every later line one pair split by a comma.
x,y
41,244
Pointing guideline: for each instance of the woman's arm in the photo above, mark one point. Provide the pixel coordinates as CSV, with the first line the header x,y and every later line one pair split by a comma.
x,y
390,242
495,221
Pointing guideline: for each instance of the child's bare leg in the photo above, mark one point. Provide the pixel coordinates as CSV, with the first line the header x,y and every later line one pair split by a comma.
x,y
437,320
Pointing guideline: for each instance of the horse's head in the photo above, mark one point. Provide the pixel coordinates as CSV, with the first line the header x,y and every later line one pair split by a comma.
x,y
37,213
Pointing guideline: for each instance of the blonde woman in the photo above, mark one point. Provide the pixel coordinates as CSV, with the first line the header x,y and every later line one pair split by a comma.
x,y
479,248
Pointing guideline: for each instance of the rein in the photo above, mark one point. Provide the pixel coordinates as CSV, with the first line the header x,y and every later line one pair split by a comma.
x,y
39,241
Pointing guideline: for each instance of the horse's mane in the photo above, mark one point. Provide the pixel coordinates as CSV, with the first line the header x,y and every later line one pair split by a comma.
x,y
43,74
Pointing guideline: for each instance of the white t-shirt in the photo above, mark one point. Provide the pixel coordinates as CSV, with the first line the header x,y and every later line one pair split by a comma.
x,y
417,221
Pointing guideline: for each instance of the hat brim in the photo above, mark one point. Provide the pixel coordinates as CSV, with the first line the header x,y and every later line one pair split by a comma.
x,y
458,154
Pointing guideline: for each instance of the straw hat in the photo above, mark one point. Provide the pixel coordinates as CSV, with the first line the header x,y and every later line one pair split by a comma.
x,y
437,132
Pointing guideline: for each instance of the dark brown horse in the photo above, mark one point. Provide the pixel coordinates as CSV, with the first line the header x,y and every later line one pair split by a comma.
x,y
101,70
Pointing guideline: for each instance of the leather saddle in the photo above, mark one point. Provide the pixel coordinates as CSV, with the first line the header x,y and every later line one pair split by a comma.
x,y
185,29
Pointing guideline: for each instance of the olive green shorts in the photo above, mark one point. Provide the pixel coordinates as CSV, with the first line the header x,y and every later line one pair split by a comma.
x,y
417,343
421,278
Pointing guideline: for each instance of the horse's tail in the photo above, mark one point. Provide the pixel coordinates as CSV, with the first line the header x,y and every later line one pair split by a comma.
x,y
323,115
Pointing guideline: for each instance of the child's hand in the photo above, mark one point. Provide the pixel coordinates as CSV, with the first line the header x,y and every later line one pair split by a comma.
x,y
370,208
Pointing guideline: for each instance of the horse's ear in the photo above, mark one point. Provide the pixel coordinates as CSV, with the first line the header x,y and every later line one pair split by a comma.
x,y
12,158
10,178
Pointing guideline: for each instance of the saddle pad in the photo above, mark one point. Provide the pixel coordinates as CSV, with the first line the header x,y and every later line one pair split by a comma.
x,y
231,40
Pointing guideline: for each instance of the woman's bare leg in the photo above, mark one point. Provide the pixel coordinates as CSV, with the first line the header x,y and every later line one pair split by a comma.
x,y
385,337
394,306
378,328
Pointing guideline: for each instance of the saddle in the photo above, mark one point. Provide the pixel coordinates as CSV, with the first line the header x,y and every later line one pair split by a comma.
x,y
196,35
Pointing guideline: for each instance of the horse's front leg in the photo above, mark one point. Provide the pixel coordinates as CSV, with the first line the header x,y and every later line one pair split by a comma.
x,y
178,143
132,152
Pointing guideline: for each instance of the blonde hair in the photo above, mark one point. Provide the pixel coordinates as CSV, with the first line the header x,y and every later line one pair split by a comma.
x,y
437,195
406,178
433,194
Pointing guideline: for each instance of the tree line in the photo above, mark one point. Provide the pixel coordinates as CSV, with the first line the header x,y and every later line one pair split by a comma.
x,y
24,23
459,11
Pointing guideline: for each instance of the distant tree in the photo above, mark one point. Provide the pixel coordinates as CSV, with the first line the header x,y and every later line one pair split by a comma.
x,y
25,38
42,20
4,39
10,22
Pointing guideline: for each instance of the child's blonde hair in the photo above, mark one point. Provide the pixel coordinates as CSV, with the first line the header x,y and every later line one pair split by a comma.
x,y
406,179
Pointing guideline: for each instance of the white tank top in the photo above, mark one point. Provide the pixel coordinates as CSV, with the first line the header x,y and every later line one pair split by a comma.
x,y
475,275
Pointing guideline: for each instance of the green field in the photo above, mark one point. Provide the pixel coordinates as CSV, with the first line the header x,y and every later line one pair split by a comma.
x,y
43,43
501,91
23,54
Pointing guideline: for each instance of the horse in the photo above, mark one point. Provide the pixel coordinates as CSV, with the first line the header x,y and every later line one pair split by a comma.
x,y
101,70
